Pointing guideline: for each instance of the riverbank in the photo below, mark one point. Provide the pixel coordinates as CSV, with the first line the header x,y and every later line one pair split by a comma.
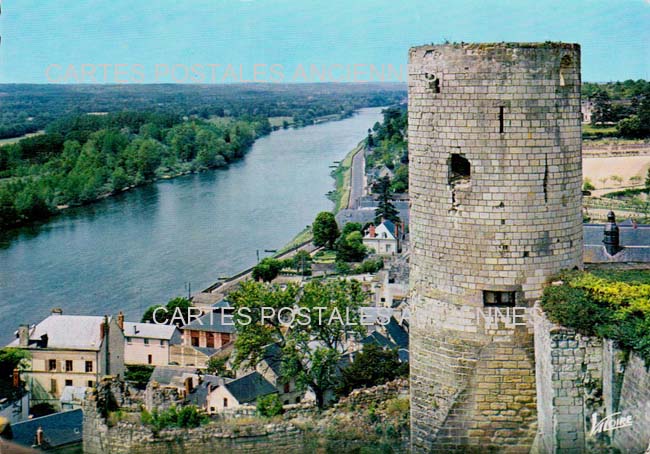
x,y
343,179
145,246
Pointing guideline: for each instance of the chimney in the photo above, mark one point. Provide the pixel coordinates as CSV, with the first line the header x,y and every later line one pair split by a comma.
x,y
23,335
188,386
16,378
396,231
372,231
57,311
102,328
120,320
611,237
39,436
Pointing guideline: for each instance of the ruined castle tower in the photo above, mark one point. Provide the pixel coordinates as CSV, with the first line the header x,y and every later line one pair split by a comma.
x,y
495,186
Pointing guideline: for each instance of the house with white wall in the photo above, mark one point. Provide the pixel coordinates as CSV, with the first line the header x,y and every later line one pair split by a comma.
x,y
149,343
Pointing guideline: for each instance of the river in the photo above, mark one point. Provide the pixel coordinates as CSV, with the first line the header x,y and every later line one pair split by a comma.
x,y
142,247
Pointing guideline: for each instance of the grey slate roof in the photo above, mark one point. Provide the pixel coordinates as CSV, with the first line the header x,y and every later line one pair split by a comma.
x,y
199,394
166,374
397,334
249,387
59,429
212,322
151,331
273,357
79,332
379,339
635,242
629,236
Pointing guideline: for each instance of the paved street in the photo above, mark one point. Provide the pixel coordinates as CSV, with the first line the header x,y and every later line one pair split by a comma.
x,y
357,179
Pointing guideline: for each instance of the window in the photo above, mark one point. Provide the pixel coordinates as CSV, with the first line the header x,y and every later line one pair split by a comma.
x,y
459,168
434,82
225,402
298,399
53,387
209,339
287,387
91,383
149,359
89,366
146,341
491,298
68,365
162,343
195,341
68,382
501,108
565,71
51,365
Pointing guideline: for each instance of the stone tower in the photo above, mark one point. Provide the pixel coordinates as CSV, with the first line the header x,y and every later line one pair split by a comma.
x,y
495,186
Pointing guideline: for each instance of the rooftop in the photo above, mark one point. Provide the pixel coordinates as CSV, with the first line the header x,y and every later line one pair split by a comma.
x,y
149,330
249,387
59,429
74,332
212,322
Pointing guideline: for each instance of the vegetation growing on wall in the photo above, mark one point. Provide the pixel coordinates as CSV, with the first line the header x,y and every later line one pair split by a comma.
x,y
609,304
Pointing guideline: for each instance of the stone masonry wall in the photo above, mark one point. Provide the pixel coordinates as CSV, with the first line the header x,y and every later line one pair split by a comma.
x,y
300,429
634,401
580,378
495,185
569,384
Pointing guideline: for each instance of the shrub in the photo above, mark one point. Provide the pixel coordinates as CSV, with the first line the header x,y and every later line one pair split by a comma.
x,y
588,185
138,375
186,417
269,406
614,305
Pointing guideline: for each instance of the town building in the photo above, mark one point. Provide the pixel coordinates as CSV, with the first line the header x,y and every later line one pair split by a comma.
x,y
149,343
69,350
211,334
384,239
241,391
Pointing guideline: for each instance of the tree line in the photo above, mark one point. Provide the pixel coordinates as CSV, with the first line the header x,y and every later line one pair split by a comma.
x,y
83,157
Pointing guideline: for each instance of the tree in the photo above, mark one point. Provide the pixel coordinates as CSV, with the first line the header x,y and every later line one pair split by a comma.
x,y
217,366
385,208
177,306
373,366
647,182
350,248
602,108
267,270
11,358
325,230
370,141
138,375
301,261
269,406
311,349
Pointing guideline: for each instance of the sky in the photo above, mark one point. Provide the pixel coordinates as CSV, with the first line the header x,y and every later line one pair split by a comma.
x,y
115,41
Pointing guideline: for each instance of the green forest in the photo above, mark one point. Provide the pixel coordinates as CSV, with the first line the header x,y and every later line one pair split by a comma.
x,y
100,140
81,158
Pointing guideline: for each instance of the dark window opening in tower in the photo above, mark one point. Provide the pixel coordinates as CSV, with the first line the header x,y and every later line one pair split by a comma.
x,y
501,109
434,82
565,68
502,299
459,168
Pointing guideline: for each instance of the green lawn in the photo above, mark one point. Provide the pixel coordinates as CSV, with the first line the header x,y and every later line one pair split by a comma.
x,y
279,121
588,128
